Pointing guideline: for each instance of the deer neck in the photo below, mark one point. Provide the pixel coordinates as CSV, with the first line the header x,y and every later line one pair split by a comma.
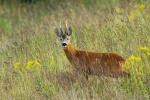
x,y
70,50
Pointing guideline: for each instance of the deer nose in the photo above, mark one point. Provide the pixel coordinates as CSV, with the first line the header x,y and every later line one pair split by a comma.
x,y
64,44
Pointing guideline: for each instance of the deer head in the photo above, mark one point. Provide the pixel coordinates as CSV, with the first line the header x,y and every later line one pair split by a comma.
x,y
64,35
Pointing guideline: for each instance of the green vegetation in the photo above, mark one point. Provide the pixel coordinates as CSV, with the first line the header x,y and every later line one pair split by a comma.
x,y
33,65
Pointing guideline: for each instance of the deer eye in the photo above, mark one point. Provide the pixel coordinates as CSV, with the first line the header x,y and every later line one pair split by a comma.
x,y
67,38
61,39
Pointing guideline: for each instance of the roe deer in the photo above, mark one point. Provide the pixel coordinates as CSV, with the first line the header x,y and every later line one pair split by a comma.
x,y
91,63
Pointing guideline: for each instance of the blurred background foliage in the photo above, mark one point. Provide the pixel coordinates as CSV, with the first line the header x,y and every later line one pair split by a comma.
x,y
34,66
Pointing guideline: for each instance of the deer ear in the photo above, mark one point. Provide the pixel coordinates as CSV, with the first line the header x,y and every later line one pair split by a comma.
x,y
58,33
68,31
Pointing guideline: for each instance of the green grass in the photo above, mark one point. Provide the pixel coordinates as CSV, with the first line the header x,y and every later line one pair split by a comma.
x,y
27,38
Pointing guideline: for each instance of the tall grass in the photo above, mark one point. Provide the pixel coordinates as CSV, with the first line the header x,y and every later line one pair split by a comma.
x,y
34,66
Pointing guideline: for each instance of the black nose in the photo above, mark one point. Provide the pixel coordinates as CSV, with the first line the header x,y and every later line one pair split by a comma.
x,y
64,44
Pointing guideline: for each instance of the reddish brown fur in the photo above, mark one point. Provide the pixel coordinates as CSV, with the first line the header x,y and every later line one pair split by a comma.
x,y
91,63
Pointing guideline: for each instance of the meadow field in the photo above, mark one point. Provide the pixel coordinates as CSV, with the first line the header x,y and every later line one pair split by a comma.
x,y
33,65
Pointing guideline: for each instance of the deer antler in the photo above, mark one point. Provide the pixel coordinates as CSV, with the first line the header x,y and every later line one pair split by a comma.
x,y
68,29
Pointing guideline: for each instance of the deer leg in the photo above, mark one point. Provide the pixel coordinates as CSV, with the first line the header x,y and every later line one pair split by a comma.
x,y
125,74
86,75
87,72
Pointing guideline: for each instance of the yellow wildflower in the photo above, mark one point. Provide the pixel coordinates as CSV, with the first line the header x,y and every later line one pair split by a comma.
x,y
134,58
29,65
144,48
17,65
32,64
140,6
